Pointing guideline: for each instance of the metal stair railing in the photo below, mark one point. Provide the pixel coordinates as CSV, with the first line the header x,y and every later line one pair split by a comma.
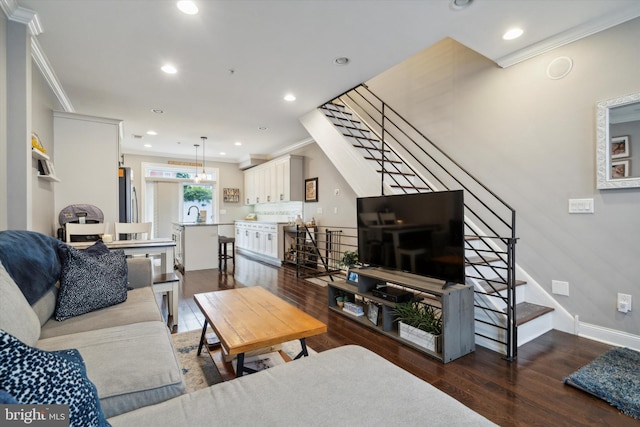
x,y
408,162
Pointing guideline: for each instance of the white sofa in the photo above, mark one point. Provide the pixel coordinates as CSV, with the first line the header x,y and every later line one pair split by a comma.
x,y
345,386
127,348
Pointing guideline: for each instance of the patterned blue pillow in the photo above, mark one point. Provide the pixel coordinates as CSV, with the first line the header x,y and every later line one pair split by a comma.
x,y
89,282
34,376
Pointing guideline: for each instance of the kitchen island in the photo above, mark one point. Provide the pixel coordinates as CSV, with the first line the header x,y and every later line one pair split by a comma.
x,y
196,245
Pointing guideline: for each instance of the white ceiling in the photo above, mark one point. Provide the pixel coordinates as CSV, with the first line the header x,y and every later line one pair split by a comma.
x,y
107,56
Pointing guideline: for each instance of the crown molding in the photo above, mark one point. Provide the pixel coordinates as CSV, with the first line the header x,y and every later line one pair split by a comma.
x,y
569,36
43,64
30,19
22,15
292,147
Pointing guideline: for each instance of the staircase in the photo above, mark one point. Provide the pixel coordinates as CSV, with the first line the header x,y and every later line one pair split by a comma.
x,y
378,152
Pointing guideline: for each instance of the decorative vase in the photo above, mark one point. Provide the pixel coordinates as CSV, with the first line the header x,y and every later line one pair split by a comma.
x,y
420,338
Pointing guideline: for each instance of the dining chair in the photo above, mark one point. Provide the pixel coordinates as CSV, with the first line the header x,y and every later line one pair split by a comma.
x,y
86,230
134,230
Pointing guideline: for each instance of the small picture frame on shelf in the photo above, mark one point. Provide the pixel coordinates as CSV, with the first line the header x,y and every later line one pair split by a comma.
x,y
49,167
373,312
352,277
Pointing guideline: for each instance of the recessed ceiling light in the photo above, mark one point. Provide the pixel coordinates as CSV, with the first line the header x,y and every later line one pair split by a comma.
x,y
157,111
169,69
512,34
222,153
148,145
341,60
290,97
460,4
152,132
238,143
188,7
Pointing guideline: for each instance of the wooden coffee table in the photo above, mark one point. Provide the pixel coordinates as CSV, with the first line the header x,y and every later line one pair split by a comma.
x,y
247,319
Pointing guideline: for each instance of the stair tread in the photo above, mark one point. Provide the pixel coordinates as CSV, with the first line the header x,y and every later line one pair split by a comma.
x,y
380,160
397,173
476,260
527,311
497,286
370,148
409,186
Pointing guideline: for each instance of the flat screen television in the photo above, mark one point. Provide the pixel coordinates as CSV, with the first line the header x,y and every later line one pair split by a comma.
x,y
419,233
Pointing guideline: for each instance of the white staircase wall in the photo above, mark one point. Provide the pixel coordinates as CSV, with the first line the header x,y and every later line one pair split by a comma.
x,y
349,161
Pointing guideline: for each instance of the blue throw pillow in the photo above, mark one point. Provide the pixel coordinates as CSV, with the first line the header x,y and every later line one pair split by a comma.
x,y
98,248
34,376
32,260
7,399
91,282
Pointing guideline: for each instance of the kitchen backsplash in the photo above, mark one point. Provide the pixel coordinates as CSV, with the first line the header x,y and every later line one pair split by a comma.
x,y
278,212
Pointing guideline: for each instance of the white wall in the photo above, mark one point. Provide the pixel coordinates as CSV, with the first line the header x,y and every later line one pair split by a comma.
x,y
532,140
86,161
3,123
330,209
44,102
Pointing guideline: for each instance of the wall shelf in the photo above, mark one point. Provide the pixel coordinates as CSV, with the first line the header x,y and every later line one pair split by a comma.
x,y
46,171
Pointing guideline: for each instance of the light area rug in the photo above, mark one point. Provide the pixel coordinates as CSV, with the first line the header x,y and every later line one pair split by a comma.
x,y
200,371
613,377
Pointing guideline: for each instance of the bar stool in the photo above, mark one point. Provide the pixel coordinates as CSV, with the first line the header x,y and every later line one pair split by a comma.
x,y
222,251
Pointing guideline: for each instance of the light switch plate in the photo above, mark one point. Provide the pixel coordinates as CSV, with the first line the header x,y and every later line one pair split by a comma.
x,y
581,206
559,288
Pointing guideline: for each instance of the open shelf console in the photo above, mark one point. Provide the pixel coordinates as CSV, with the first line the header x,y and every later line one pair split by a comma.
x,y
455,303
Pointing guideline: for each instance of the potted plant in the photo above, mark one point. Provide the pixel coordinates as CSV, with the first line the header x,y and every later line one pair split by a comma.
x,y
420,323
349,259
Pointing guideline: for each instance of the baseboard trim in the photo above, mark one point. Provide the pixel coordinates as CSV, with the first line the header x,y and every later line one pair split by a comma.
x,y
609,336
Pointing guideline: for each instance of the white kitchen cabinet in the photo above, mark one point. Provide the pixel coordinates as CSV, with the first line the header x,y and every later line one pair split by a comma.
x,y
260,240
279,180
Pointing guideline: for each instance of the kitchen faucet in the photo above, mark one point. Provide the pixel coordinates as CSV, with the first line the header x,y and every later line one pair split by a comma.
x,y
193,206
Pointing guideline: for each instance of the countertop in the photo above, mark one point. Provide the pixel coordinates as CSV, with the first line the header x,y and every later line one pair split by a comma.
x,y
198,224
250,221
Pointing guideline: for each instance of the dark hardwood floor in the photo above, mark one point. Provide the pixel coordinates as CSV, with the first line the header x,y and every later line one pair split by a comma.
x,y
527,392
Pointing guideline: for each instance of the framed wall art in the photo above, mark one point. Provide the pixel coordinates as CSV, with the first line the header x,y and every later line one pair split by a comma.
x,y
231,195
311,190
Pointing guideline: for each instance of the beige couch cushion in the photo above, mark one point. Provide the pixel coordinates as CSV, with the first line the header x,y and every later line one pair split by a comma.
x,y
131,365
346,386
16,315
140,306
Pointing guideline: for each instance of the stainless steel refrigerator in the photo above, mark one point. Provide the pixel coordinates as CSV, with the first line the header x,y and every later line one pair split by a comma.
x,y
128,198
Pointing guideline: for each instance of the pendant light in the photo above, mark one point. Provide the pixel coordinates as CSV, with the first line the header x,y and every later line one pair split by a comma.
x,y
196,177
203,175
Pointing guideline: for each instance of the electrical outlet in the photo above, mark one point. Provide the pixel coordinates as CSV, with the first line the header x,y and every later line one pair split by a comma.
x,y
335,210
559,288
624,303
319,210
